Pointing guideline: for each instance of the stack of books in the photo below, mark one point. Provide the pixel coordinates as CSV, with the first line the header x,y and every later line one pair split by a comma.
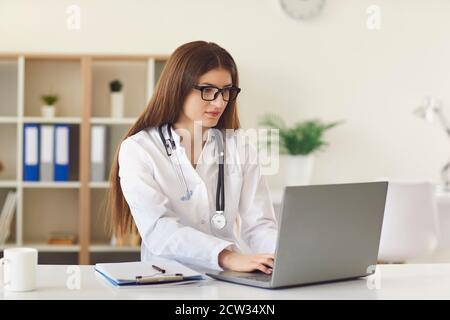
x,y
9,208
62,238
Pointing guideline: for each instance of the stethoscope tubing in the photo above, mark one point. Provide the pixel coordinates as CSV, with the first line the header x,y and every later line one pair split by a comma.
x,y
169,144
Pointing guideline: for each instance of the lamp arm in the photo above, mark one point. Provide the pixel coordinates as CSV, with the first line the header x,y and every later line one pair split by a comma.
x,y
445,176
443,120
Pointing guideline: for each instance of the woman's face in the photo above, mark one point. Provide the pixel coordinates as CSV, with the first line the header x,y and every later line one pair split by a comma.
x,y
207,112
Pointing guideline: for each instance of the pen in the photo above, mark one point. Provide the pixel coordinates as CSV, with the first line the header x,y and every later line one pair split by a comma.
x,y
170,278
158,269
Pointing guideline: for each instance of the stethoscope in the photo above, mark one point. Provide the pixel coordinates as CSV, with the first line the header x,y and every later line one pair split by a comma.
x,y
218,220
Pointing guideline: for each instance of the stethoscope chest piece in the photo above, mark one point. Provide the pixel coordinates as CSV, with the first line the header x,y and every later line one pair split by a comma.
x,y
218,220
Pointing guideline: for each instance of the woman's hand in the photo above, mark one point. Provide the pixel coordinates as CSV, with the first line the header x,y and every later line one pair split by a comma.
x,y
246,262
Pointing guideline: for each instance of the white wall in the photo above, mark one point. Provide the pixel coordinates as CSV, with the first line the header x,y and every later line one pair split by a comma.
x,y
332,67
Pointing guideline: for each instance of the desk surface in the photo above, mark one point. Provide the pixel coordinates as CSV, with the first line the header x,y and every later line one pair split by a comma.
x,y
408,281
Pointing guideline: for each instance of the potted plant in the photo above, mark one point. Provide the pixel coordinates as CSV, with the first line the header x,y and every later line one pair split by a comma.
x,y
297,146
116,99
48,109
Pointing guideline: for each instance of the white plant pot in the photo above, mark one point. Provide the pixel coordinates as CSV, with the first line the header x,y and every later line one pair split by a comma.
x,y
48,111
297,169
117,104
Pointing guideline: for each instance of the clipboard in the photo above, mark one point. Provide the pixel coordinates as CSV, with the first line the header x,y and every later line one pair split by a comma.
x,y
142,273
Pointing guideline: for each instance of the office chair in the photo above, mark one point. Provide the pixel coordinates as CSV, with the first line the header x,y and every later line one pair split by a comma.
x,y
410,225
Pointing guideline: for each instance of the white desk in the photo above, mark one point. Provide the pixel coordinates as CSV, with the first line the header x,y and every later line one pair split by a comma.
x,y
413,281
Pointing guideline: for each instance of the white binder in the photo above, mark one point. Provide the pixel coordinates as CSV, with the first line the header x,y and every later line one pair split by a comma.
x,y
31,152
47,145
98,153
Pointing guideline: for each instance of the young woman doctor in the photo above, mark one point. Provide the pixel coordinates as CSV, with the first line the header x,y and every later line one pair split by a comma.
x,y
201,201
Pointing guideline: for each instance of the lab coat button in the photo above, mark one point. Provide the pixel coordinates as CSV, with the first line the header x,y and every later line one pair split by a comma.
x,y
203,221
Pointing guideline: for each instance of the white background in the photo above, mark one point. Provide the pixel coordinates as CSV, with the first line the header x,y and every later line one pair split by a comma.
x,y
331,67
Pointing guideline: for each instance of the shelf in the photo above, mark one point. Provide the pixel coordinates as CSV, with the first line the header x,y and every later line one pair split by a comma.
x,y
44,247
106,120
8,151
9,120
9,72
72,120
52,184
46,212
8,245
8,184
110,248
82,83
53,76
133,76
99,185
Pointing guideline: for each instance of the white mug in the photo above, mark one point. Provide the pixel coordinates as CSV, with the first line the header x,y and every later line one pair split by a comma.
x,y
19,269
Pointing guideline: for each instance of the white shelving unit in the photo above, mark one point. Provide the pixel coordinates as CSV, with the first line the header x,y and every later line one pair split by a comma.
x,y
51,185
99,185
10,120
110,248
68,120
45,207
111,121
8,184
43,247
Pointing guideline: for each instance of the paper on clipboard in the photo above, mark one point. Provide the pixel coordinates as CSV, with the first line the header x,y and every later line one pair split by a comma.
x,y
126,273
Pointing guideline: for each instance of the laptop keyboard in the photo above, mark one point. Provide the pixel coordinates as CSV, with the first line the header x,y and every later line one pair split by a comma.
x,y
262,277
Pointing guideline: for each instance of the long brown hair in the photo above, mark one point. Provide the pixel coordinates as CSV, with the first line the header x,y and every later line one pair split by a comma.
x,y
184,67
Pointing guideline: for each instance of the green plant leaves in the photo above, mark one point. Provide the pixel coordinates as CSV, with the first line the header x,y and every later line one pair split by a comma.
x,y
303,138
50,99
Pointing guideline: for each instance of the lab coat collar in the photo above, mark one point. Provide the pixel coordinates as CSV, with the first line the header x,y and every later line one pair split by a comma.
x,y
177,137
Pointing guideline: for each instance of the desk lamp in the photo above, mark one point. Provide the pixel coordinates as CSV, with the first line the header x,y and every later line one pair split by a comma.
x,y
430,110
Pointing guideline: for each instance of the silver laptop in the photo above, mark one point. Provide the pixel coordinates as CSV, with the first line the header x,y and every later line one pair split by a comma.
x,y
326,233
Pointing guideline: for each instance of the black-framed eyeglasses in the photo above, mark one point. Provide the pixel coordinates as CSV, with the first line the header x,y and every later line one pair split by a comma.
x,y
210,93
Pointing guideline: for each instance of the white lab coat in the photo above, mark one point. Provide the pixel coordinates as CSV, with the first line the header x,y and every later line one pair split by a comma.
x,y
181,230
